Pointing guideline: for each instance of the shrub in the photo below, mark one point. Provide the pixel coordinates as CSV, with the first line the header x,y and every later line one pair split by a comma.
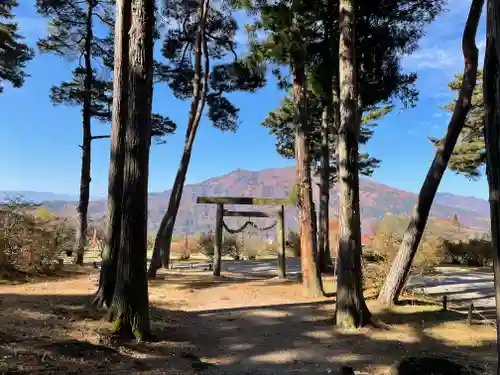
x,y
250,253
293,243
372,256
206,244
429,254
184,254
230,245
443,242
472,252
180,250
269,248
252,247
31,238
151,242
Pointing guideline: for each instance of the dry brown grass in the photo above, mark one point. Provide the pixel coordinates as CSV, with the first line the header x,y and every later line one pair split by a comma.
x,y
437,245
233,324
32,239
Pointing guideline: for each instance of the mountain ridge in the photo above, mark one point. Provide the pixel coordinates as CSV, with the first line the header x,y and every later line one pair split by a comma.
x,y
377,199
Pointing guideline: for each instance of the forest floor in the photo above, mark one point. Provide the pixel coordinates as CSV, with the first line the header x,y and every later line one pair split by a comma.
x,y
236,324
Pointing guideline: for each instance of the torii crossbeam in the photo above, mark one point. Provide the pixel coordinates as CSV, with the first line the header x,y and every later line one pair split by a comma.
x,y
221,212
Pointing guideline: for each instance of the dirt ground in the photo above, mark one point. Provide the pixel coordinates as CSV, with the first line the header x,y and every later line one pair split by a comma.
x,y
232,325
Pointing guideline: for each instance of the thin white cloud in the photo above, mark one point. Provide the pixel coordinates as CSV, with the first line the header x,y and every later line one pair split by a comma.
x,y
434,58
446,55
441,47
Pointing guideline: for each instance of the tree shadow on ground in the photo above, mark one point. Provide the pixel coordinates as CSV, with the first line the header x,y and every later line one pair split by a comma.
x,y
63,334
414,302
203,280
57,334
18,277
289,338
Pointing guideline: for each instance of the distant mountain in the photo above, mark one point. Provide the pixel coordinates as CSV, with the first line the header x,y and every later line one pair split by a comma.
x,y
376,199
36,196
480,206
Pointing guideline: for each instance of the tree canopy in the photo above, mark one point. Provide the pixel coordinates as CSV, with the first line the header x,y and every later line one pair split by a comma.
x,y
281,123
229,74
67,38
469,154
14,52
383,35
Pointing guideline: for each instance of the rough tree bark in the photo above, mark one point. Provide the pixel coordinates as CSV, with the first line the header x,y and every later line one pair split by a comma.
x,y
400,268
83,203
130,306
491,94
163,241
311,277
104,294
351,310
324,256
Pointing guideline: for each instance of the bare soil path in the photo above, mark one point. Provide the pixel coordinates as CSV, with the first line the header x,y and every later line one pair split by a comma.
x,y
232,325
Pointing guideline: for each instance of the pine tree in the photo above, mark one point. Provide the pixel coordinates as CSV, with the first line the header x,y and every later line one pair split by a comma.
x,y
291,28
350,308
380,42
14,53
469,154
400,268
73,34
191,45
281,124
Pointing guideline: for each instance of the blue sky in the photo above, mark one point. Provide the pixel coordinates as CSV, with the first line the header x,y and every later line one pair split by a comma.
x,y
39,143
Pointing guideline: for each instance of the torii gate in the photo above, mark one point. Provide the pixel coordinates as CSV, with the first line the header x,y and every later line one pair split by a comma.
x,y
221,212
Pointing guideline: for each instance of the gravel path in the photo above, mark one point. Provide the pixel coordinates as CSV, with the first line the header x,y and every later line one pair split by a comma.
x,y
252,266
461,286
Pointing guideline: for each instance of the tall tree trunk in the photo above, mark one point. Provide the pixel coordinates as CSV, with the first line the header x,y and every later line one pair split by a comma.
x,y
83,203
130,306
311,277
351,310
107,279
400,268
325,260
491,94
163,241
